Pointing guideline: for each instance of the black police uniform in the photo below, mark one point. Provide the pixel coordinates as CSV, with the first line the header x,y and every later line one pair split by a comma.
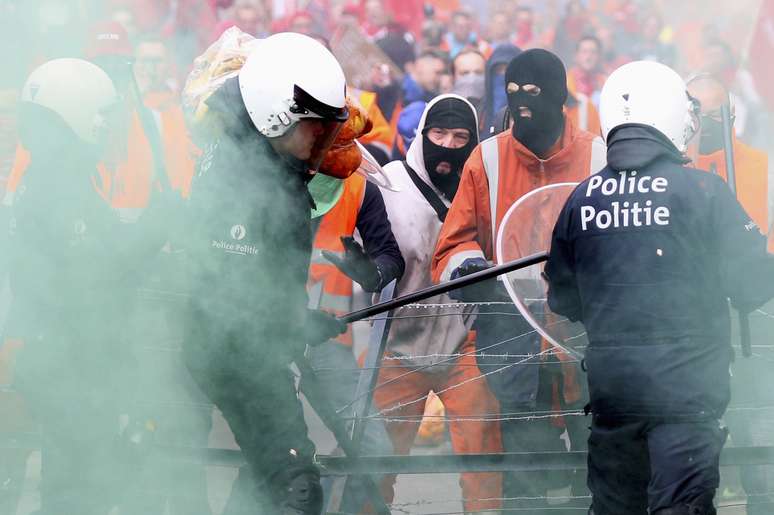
x,y
250,243
74,267
646,254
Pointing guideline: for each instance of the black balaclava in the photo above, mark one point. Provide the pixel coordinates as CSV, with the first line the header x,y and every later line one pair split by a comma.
x,y
449,113
711,136
545,70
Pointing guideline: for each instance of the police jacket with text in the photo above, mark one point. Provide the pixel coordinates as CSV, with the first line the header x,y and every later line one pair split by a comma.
x,y
646,254
249,246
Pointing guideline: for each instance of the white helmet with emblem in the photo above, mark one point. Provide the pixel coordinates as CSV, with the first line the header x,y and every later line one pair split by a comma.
x,y
80,92
651,94
289,77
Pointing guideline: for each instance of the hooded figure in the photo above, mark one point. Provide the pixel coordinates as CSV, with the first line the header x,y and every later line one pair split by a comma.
x,y
495,87
443,161
425,187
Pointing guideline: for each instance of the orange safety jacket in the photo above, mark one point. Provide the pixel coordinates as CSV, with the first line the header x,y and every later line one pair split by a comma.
x,y
327,283
499,172
382,134
752,179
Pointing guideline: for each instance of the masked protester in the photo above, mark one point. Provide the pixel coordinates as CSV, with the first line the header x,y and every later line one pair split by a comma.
x,y
543,147
751,167
469,73
249,253
74,263
648,267
427,182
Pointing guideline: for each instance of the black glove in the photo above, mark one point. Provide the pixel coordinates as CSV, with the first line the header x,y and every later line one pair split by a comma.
x,y
321,327
484,291
356,265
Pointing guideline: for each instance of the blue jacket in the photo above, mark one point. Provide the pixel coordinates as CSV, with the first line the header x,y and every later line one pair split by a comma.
x,y
646,254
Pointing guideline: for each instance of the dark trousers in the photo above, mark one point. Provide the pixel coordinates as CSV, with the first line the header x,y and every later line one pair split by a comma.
x,y
258,400
645,465
543,435
76,392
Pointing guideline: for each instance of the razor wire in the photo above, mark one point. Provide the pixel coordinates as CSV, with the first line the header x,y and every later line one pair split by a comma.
x,y
401,405
522,359
414,370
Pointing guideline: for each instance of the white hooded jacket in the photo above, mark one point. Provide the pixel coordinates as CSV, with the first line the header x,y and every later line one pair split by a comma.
x,y
438,332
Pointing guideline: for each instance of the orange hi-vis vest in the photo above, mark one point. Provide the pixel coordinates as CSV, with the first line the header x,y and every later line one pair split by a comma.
x,y
752,179
326,282
382,135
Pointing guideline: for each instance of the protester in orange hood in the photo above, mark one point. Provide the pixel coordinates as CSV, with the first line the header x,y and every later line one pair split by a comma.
x,y
751,165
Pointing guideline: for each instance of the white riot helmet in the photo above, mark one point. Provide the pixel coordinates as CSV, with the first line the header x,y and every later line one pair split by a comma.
x,y
76,90
289,77
652,94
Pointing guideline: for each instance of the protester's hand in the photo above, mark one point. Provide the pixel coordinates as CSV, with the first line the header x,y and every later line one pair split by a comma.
x,y
321,327
479,292
356,265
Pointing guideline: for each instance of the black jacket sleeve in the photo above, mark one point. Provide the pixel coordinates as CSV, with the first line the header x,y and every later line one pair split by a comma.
x,y
563,295
378,240
746,268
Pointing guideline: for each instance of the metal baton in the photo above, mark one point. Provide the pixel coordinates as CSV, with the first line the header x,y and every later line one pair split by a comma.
x,y
445,287
728,152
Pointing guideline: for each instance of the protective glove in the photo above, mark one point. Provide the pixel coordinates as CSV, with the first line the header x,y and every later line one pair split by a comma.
x,y
484,291
321,327
356,265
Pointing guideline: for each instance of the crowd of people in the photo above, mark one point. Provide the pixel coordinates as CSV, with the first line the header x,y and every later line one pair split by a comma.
x,y
111,180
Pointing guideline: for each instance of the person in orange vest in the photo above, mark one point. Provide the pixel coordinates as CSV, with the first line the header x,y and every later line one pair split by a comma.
x,y
337,261
751,172
543,147
152,70
157,154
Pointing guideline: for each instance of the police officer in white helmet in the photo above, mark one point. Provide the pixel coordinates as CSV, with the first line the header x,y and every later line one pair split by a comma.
x,y
249,251
74,268
646,253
